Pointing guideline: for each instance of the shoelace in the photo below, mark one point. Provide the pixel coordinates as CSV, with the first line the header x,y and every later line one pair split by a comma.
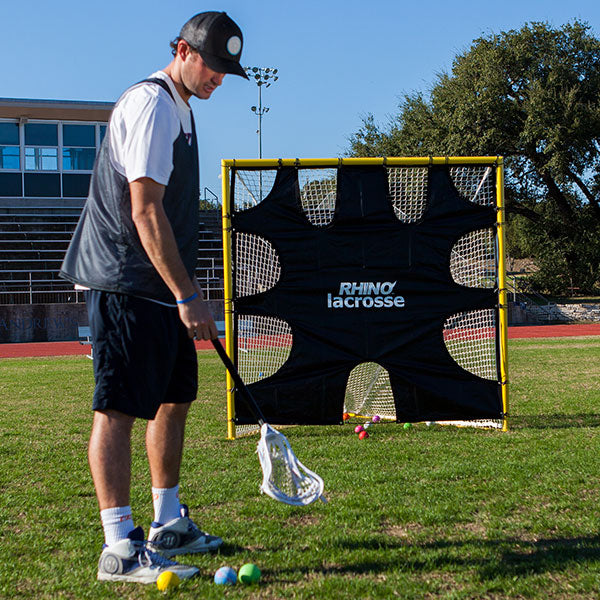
x,y
148,558
193,528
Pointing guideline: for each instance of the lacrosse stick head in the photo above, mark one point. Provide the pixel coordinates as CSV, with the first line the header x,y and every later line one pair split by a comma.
x,y
285,478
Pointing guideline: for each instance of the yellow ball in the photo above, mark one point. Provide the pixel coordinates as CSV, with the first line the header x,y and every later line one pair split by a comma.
x,y
167,580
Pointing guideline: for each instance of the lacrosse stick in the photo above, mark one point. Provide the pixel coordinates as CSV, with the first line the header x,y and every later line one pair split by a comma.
x,y
285,478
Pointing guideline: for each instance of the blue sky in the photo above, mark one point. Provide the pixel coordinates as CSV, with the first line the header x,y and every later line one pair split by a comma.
x,y
338,60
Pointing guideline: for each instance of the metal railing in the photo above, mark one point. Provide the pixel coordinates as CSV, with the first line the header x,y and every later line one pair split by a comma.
x,y
30,289
535,303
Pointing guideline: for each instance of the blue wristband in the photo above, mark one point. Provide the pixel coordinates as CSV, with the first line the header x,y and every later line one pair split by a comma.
x,y
189,299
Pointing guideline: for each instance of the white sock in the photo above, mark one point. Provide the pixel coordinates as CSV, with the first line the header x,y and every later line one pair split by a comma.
x,y
117,523
166,504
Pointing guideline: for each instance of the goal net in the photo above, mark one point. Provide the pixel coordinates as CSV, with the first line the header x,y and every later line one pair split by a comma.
x,y
266,336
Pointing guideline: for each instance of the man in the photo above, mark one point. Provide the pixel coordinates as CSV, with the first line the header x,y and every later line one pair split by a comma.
x,y
135,252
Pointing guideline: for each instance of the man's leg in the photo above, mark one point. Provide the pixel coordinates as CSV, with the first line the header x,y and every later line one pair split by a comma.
x,y
126,557
164,444
109,455
172,530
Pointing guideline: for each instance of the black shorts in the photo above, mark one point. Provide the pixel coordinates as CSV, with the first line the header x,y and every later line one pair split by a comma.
x,y
143,356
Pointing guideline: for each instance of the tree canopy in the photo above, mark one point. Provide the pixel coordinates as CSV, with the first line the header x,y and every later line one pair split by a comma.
x,y
533,96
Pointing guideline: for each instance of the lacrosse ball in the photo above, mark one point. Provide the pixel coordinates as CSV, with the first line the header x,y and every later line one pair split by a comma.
x,y
366,425
363,435
358,429
376,419
429,423
249,573
407,425
345,416
225,576
167,581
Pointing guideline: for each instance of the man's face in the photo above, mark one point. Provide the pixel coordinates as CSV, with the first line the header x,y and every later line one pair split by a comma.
x,y
199,80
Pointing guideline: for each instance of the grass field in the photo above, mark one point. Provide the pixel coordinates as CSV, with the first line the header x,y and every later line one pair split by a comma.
x,y
418,513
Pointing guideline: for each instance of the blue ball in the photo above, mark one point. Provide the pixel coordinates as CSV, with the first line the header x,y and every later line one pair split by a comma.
x,y
225,576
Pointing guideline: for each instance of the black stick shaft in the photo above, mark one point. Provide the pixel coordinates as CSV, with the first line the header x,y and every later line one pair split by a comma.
x,y
240,385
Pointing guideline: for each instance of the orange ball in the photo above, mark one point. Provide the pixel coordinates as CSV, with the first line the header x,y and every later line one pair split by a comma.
x,y
345,416
363,435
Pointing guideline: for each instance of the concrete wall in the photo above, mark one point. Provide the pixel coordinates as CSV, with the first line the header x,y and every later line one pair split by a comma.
x,y
53,322
59,322
531,313
41,322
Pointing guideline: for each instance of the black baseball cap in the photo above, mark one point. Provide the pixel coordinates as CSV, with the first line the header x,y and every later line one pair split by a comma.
x,y
217,39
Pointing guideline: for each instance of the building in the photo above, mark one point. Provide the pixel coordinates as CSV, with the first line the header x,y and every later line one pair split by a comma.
x,y
47,154
47,150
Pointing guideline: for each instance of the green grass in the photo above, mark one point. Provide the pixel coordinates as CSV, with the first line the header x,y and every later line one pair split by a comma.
x,y
419,513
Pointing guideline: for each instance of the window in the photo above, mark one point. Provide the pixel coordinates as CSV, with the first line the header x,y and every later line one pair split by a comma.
x,y
11,184
9,134
9,157
9,146
45,159
79,135
41,134
79,147
78,159
41,159
42,185
76,185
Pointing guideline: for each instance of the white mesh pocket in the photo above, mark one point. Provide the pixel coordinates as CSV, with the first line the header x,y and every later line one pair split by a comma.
x,y
475,184
473,259
257,267
369,392
407,188
252,187
470,338
318,191
264,344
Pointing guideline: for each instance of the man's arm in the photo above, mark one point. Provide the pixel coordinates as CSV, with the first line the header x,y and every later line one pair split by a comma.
x,y
158,241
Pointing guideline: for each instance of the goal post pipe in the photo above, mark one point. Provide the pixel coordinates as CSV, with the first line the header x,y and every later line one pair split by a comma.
x,y
335,162
228,294
502,295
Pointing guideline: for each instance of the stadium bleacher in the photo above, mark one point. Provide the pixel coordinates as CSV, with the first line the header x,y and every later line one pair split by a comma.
x,y
33,241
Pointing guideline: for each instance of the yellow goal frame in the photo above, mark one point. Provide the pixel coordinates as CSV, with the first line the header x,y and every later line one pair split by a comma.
x,y
495,161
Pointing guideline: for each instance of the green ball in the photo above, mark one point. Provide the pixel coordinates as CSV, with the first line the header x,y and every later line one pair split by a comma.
x,y
407,425
249,573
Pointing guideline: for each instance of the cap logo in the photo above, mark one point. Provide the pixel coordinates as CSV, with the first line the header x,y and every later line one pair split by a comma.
x,y
234,45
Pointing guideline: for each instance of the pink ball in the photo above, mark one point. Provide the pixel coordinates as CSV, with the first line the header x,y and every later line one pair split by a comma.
x,y
376,419
358,429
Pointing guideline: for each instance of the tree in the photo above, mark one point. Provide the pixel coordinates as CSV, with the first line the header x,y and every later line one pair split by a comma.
x,y
533,96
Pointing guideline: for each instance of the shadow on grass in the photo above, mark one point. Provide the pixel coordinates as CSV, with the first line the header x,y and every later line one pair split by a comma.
x,y
557,421
228,549
491,559
543,556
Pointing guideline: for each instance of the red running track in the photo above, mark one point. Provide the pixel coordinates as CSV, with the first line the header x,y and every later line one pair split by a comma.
x,y
58,349
544,331
74,348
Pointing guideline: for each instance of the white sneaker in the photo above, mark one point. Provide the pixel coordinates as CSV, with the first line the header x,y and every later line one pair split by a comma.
x,y
132,559
181,536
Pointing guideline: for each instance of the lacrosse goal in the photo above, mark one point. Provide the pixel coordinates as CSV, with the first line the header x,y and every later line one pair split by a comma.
x,y
308,272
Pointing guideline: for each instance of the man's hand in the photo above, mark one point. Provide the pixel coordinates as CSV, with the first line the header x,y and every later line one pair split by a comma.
x,y
196,316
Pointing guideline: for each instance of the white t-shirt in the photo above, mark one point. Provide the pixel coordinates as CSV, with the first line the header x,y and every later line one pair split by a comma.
x,y
144,124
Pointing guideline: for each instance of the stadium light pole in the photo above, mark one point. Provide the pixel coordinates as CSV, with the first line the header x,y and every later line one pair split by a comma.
x,y
262,76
